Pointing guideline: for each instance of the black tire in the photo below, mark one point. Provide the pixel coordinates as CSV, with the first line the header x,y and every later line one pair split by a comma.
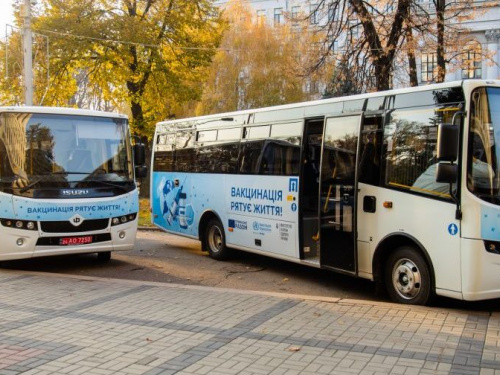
x,y
407,277
104,256
215,240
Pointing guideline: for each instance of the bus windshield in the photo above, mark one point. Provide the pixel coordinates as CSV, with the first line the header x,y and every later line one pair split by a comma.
x,y
52,151
483,173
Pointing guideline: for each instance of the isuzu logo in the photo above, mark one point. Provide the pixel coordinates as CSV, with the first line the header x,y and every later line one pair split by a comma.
x,y
76,220
75,192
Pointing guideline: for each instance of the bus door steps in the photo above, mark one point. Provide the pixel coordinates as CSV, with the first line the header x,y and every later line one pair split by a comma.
x,y
312,260
330,224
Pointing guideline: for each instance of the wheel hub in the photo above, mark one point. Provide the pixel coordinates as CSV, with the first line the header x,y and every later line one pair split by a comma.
x,y
406,279
215,239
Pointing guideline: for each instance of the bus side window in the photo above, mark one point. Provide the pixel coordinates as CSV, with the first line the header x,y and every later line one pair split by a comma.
x,y
270,160
250,152
292,161
369,164
410,137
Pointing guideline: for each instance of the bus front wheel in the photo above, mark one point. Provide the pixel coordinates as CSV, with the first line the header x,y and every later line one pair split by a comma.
x,y
215,240
407,277
104,256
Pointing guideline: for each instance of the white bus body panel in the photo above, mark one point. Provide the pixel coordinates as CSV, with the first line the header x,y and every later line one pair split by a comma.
x,y
430,222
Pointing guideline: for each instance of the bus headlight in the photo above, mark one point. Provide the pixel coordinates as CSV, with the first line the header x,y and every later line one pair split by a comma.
x,y
123,219
19,224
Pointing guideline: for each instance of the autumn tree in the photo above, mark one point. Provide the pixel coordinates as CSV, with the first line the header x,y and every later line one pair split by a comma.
x,y
441,28
260,65
11,68
369,36
145,56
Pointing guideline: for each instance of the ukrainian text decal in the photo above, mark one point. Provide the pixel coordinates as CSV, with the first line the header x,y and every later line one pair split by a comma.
x,y
33,209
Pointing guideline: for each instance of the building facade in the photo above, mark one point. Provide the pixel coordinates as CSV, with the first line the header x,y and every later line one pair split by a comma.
x,y
479,58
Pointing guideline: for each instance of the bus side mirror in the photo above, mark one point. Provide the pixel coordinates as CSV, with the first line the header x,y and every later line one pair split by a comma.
x,y
141,171
447,142
139,154
447,173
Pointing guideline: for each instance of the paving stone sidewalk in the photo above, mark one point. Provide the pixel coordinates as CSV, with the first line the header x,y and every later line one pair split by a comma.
x,y
53,324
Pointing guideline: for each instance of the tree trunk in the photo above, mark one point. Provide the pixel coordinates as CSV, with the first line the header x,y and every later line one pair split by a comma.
x,y
412,61
441,62
383,71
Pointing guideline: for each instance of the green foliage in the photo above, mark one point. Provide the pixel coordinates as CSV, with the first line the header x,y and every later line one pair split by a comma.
x,y
144,213
145,57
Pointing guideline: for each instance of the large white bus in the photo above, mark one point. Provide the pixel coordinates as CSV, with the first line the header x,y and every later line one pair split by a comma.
x,y
67,182
400,187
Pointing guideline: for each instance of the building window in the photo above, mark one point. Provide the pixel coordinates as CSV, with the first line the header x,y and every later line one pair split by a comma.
x,y
429,65
389,8
261,16
278,16
312,86
356,31
295,15
471,61
333,13
334,45
314,14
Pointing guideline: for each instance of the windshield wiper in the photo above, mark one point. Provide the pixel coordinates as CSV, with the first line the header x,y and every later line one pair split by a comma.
x,y
44,177
108,183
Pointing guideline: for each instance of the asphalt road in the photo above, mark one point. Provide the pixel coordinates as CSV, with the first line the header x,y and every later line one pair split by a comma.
x,y
162,257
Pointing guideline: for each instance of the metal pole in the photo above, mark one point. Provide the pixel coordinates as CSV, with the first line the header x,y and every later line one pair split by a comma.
x,y
28,54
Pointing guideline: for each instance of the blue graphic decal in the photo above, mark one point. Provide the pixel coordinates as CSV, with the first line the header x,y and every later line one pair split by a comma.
x,y
261,228
452,229
175,209
237,224
255,226
294,207
490,223
293,185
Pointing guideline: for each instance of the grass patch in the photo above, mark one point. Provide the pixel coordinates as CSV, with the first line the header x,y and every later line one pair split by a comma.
x,y
144,214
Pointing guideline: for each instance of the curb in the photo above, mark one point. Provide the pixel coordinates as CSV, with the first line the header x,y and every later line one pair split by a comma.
x,y
151,229
301,297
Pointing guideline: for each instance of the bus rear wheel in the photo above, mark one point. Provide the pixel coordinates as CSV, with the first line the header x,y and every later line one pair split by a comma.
x,y
407,277
215,240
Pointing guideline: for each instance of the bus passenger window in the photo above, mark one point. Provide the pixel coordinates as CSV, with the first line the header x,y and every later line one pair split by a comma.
x,y
410,155
250,152
369,164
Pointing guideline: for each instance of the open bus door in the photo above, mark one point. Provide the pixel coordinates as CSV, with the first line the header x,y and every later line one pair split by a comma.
x,y
329,230
338,193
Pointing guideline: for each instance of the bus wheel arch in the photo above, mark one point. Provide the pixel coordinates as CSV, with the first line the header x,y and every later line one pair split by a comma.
x,y
212,236
402,267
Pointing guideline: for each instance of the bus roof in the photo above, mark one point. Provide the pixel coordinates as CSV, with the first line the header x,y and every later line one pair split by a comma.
x,y
246,112
60,111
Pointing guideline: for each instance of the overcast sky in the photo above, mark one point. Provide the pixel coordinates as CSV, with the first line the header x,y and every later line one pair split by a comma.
x,y
6,16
